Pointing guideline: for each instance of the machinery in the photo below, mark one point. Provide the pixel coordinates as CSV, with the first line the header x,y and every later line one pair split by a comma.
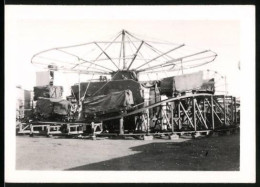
x,y
122,102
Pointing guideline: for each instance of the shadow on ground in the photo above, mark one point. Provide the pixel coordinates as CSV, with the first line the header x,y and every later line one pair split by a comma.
x,y
204,154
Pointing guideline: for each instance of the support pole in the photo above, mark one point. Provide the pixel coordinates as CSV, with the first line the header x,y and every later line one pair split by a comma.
x,y
123,40
172,121
179,114
68,128
232,110
93,128
31,129
48,130
121,126
235,111
20,127
212,113
204,109
225,110
102,126
148,121
194,113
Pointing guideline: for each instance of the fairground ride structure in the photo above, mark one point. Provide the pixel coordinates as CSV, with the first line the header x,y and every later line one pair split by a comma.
x,y
121,103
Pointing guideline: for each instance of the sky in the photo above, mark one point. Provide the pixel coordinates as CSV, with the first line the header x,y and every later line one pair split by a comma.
x,y
31,29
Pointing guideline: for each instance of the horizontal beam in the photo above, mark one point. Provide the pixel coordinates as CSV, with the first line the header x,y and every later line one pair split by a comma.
x,y
155,105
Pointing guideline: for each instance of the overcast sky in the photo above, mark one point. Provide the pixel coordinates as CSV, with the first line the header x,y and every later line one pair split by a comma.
x,y
31,29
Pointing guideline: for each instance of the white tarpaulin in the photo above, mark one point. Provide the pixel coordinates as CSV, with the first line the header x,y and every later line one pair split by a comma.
x,y
188,81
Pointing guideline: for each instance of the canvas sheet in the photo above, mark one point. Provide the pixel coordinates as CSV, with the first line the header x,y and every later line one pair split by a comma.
x,y
47,107
115,101
188,81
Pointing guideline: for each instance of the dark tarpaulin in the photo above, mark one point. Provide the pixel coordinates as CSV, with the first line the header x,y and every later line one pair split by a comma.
x,y
121,85
208,86
48,106
105,88
114,101
92,88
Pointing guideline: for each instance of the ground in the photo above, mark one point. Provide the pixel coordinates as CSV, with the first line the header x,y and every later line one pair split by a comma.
x,y
206,154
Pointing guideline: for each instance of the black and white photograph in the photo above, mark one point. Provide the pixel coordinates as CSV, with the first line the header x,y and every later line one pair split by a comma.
x,y
130,94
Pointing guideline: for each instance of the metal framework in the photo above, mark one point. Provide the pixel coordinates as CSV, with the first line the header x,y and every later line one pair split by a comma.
x,y
191,114
194,114
124,52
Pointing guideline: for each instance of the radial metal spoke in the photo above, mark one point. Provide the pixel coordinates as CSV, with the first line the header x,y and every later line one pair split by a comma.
x,y
104,50
107,55
169,63
135,55
161,55
157,51
84,61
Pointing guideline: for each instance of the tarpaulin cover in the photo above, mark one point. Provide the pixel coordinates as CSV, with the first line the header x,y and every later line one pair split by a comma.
x,y
48,106
104,88
47,91
181,83
208,86
92,88
121,85
167,86
114,101
188,81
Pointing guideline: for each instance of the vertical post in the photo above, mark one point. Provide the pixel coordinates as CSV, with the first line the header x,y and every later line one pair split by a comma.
x,y
235,103
48,130
68,128
179,114
148,121
232,110
123,40
212,113
93,128
20,127
225,110
172,121
121,125
204,108
102,126
225,85
31,129
194,113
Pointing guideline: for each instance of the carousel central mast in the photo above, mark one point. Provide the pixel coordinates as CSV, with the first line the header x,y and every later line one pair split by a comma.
x,y
123,41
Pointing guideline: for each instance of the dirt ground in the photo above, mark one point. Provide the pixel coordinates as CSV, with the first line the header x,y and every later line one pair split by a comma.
x,y
208,153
